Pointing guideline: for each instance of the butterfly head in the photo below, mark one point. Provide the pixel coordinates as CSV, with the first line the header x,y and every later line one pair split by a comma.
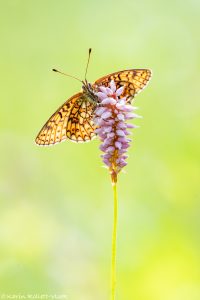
x,y
89,91
87,87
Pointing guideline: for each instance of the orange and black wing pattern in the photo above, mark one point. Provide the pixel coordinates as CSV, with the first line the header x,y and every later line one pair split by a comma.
x,y
134,81
73,120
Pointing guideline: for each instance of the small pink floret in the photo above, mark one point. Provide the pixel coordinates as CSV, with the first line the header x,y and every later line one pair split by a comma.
x,y
120,91
106,115
120,117
109,100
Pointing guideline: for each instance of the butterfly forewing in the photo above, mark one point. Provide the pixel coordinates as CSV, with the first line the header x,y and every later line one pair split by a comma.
x,y
73,120
133,81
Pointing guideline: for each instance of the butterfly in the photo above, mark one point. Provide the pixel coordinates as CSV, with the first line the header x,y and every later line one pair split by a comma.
x,y
74,119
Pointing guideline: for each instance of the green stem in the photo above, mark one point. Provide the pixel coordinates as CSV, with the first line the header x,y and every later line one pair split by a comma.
x,y
114,241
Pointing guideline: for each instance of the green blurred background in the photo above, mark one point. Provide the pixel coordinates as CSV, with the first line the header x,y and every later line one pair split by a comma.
x,y
56,203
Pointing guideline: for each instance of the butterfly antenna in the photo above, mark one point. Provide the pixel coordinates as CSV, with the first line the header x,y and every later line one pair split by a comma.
x,y
90,50
55,70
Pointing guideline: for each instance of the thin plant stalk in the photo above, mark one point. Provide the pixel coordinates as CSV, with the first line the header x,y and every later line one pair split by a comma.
x,y
114,241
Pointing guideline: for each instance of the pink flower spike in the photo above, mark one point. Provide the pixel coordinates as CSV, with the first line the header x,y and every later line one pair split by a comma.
x,y
111,121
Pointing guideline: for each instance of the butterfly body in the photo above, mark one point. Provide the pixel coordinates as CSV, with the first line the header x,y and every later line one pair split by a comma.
x,y
90,93
74,119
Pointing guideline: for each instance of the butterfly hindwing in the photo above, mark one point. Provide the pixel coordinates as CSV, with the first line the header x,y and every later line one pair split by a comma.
x,y
73,120
80,125
133,81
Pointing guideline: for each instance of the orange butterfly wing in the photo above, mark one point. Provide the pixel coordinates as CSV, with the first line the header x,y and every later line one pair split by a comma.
x,y
133,80
73,120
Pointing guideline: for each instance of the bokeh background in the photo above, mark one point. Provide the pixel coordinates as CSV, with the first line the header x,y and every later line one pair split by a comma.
x,y
56,203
